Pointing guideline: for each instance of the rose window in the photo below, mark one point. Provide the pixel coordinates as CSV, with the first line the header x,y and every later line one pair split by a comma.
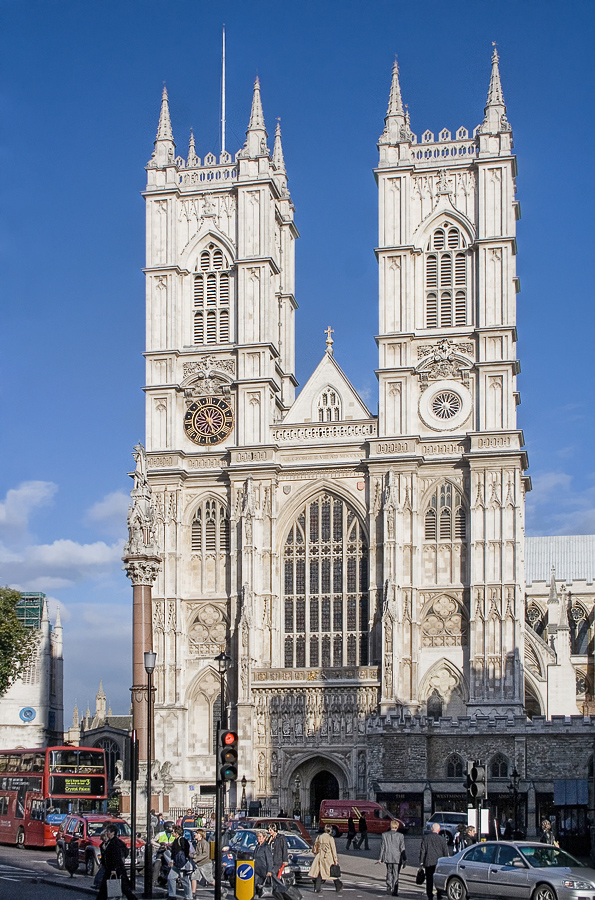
x,y
446,404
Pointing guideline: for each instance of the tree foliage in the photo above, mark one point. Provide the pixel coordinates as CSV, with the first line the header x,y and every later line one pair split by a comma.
x,y
16,641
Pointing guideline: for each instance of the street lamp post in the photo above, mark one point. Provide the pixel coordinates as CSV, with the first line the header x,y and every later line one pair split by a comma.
x,y
244,804
513,787
150,659
222,661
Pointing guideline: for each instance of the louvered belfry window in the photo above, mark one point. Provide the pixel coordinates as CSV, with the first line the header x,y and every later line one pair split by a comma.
x,y
445,518
446,279
325,587
211,298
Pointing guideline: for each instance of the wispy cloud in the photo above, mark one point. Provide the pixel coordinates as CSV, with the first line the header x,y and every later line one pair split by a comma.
x,y
110,513
20,502
554,507
60,564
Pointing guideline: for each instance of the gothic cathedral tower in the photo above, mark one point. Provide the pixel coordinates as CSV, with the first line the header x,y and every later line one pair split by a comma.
x,y
350,564
453,508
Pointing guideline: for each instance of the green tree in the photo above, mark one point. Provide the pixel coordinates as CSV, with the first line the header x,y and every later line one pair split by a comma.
x,y
16,641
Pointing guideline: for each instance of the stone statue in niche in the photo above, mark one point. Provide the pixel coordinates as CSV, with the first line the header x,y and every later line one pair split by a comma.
x,y
361,772
262,772
274,765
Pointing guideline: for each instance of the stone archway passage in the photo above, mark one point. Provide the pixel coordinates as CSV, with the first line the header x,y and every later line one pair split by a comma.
x,y
324,786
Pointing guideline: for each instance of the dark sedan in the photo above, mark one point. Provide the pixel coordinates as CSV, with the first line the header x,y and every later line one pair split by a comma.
x,y
515,869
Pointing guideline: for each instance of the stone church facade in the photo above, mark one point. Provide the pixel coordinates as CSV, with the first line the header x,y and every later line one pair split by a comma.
x,y
356,567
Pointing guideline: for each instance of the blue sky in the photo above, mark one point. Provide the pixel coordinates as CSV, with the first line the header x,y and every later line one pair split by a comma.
x,y
80,86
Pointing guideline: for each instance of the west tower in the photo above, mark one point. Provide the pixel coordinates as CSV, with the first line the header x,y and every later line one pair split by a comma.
x,y
453,520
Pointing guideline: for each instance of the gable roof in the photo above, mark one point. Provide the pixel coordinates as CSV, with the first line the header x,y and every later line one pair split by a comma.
x,y
328,373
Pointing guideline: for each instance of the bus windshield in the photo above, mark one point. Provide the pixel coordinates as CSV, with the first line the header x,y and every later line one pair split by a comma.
x,y
81,761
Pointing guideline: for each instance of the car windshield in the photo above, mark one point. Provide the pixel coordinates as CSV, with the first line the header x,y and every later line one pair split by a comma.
x,y
544,856
295,843
96,828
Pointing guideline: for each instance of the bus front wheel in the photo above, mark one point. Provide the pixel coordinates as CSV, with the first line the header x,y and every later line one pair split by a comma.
x,y
21,838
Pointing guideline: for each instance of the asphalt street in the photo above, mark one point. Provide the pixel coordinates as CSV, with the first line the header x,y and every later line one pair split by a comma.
x,y
34,875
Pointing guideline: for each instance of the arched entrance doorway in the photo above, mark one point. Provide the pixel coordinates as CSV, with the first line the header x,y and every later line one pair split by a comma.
x,y
324,786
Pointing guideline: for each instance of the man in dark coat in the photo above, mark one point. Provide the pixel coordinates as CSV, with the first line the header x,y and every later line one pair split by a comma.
x,y
114,854
278,845
363,833
433,846
392,853
351,832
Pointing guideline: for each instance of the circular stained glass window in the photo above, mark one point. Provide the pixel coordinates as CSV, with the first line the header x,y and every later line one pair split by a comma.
x,y
446,404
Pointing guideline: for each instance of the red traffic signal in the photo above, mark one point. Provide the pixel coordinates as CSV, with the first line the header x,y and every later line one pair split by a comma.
x,y
228,756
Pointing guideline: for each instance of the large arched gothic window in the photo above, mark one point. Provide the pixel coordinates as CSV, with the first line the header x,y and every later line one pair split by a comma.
x,y
325,587
112,755
211,297
446,279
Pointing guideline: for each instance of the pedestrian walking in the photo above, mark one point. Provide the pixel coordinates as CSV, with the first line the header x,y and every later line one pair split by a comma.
x,y
351,833
114,854
547,835
263,862
203,868
362,827
393,855
181,865
433,846
325,859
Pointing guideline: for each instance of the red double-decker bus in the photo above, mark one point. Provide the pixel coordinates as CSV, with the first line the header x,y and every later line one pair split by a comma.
x,y
39,787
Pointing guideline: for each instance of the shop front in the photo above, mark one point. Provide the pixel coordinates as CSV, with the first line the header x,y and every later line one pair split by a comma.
x,y
507,808
406,805
449,801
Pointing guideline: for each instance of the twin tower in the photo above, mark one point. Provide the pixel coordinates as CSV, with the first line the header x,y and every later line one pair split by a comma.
x,y
349,563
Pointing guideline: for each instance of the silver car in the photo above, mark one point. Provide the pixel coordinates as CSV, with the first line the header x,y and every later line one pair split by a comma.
x,y
519,869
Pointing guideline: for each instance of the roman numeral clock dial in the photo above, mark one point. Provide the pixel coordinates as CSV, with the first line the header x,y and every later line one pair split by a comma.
x,y
208,420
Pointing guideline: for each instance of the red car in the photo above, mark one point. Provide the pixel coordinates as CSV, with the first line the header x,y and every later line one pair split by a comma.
x,y
87,830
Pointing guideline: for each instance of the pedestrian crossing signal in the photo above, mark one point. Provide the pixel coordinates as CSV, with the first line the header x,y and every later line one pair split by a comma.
x,y
228,756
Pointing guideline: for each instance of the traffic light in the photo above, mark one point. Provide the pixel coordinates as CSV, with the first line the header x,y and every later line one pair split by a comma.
x,y
228,756
477,785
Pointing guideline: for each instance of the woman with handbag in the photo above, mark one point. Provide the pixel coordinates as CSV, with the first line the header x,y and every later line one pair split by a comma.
x,y
326,861
115,879
182,865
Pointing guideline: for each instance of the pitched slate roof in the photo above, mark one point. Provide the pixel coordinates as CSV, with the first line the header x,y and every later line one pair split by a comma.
x,y
573,556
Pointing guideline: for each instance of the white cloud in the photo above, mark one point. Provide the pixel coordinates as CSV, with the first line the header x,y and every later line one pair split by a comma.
x,y
554,507
60,564
22,500
110,513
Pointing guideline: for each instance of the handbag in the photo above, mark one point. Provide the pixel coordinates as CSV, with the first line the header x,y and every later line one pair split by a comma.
x,y
335,871
420,876
293,892
114,887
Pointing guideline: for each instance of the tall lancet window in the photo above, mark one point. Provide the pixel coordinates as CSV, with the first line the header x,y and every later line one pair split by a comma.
x,y
325,587
446,279
329,406
445,518
212,288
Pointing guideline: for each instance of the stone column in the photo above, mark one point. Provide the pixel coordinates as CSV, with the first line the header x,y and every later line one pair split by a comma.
x,y
142,571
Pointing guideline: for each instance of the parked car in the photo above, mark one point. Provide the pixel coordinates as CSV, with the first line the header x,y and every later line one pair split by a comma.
x,y
282,825
500,869
336,812
449,823
243,844
87,829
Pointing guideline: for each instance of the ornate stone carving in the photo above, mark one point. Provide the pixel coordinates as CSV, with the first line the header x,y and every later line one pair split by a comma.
x,y
444,360
142,571
141,514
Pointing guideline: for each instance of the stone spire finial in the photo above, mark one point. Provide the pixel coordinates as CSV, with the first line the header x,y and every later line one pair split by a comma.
x,y
396,121
164,132
494,120
193,159
278,160
553,595
495,95
256,135
75,716
256,113
395,102
329,341
101,692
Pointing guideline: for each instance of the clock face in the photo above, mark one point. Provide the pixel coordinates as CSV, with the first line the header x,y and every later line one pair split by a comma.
x,y
208,420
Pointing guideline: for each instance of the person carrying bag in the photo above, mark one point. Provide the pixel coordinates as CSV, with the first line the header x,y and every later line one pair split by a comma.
x,y
115,883
326,861
182,865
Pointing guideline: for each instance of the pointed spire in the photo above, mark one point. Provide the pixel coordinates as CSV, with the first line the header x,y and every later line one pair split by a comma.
x,y
495,121
256,135
395,102
278,160
101,692
58,619
109,711
329,340
164,132
256,113
165,147
396,121
553,596
75,716
495,95
193,159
